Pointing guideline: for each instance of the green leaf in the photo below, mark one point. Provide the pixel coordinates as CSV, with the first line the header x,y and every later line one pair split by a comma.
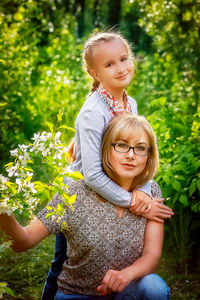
x,y
176,185
49,207
59,116
72,199
66,127
76,175
8,291
58,180
50,125
2,61
192,188
49,215
9,165
198,184
187,16
3,104
184,199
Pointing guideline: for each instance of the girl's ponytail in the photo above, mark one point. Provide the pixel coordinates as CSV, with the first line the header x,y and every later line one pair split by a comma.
x,y
95,85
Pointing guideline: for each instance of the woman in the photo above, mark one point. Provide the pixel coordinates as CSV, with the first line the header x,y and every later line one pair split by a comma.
x,y
111,252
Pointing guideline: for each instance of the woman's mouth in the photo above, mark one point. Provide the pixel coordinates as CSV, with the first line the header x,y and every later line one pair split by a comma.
x,y
128,166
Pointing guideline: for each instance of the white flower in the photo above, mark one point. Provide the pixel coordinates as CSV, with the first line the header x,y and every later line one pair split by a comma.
x,y
49,135
14,152
57,156
36,136
49,73
43,136
32,200
18,181
45,152
57,136
23,147
29,174
65,149
12,170
3,179
41,147
5,209
68,170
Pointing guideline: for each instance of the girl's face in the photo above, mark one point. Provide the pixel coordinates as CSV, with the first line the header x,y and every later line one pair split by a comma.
x,y
126,166
112,65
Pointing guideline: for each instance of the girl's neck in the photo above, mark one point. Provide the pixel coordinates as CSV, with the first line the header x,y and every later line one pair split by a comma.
x,y
117,94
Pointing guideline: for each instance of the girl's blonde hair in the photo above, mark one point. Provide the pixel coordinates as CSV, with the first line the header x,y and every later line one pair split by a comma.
x,y
124,124
94,41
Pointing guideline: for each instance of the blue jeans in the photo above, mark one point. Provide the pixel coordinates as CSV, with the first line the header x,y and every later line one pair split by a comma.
x,y
150,287
51,286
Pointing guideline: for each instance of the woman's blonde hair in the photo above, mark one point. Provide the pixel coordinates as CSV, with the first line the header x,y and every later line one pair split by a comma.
x,y
124,124
94,41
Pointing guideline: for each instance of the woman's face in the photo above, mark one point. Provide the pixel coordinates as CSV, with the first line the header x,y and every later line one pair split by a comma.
x,y
126,166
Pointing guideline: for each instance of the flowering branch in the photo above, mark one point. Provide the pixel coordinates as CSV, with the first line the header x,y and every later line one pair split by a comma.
x,y
20,191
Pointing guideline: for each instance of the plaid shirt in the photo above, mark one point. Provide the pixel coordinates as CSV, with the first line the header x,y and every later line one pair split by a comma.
x,y
113,105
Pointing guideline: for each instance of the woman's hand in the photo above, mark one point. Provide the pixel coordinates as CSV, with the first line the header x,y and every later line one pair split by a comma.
x,y
115,281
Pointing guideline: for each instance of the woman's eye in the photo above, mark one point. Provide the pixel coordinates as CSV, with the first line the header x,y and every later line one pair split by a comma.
x,y
140,148
124,58
121,145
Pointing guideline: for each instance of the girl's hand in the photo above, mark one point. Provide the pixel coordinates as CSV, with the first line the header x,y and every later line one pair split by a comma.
x,y
140,203
114,281
158,211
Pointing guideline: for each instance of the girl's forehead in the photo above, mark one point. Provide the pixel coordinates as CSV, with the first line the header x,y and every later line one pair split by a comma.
x,y
108,48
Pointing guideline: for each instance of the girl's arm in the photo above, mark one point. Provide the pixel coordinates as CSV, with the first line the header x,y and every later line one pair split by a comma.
x,y
23,238
116,281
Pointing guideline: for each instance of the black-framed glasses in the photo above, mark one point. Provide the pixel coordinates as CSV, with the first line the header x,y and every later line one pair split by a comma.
x,y
124,148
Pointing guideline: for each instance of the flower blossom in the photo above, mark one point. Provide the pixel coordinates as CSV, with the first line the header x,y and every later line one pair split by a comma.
x,y
14,152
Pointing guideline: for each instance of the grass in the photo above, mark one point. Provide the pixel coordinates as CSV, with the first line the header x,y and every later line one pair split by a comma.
x,y
25,273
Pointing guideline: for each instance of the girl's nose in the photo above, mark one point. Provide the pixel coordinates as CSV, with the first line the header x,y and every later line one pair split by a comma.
x,y
120,67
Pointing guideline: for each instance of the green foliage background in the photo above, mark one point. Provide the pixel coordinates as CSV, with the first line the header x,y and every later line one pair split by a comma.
x,y
41,75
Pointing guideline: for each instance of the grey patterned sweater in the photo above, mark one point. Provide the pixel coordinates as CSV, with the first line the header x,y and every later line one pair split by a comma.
x,y
97,239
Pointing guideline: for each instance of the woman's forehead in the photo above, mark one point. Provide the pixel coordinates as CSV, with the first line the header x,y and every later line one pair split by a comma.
x,y
135,134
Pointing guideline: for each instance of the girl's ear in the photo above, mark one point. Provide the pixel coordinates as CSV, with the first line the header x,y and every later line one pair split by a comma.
x,y
93,73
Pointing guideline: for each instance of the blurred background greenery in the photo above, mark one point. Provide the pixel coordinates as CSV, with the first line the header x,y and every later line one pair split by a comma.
x,y
41,75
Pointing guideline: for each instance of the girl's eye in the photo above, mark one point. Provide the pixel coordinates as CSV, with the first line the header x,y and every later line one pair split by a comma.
x,y
124,58
108,65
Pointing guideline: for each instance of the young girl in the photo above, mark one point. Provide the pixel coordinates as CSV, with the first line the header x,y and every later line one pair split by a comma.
x,y
108,59
110,251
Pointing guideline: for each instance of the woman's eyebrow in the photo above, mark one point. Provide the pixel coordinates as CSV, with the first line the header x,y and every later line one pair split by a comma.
x,y
121,140
142,143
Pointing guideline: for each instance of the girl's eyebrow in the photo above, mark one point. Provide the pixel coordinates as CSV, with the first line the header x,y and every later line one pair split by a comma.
x,y
108,62
112,60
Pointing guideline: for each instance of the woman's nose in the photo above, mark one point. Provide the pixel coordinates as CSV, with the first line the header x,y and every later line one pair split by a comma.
x,y
131,154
